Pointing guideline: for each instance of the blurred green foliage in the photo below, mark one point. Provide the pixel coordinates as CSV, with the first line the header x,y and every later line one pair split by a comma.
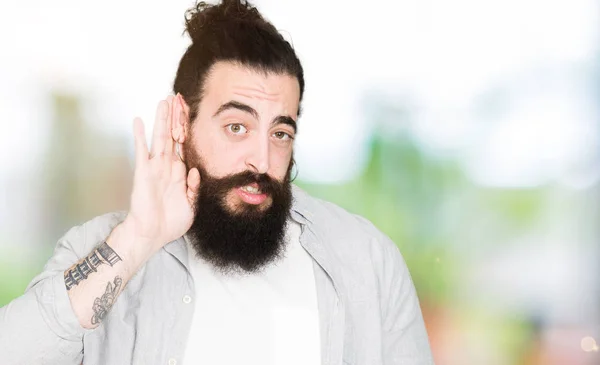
x,y
16,271
426,205
401,192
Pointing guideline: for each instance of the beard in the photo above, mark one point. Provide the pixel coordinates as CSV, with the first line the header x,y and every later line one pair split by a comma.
x,y
244,238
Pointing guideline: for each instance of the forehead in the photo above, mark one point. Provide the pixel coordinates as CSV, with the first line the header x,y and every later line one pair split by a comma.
x,y
228,81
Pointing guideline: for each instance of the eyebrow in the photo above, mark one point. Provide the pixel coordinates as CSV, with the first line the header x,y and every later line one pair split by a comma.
x,y
285,119
281,119
236,105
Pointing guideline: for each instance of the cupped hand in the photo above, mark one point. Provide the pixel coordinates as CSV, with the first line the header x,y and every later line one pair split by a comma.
x,y
163,195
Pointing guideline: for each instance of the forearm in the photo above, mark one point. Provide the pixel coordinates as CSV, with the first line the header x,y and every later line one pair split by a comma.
x,y
94,283
40,326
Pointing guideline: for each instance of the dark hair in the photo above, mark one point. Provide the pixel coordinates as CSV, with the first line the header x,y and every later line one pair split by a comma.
x,y
231,31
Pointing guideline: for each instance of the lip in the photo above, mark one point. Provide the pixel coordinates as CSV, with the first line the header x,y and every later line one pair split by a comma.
x,y
250,198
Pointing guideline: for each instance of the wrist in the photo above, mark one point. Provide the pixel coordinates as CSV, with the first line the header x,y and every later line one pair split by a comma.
x,y
133,249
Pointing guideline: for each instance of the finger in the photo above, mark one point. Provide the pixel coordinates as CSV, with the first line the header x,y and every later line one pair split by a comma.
x,y
178,142
177,155
179,173
174,130
182,118
193,183
160,129
171,116
141,147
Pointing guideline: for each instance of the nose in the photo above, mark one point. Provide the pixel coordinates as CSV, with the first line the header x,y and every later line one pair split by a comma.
x,y
258,158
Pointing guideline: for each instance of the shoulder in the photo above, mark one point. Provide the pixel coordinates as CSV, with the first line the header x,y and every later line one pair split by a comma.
x,y
361,253
341,227
77,243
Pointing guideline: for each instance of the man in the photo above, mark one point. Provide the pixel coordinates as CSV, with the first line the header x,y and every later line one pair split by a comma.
x,y
219,260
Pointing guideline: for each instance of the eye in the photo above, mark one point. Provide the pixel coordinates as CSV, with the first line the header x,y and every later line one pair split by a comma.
x,y
236,128
283,136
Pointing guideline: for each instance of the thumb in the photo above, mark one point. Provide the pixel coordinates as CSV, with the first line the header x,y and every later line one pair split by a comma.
x,y
193,183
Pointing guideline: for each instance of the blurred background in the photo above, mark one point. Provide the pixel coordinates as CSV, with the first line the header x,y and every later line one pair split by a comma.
x,y
468,131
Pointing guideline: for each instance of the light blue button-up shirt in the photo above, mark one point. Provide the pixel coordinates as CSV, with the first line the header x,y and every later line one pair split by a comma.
x,y
368,309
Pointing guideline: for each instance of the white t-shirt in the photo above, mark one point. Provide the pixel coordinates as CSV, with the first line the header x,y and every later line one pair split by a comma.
x,y
263,319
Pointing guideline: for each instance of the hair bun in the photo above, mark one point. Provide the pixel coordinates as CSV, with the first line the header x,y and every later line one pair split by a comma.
x,y
205,16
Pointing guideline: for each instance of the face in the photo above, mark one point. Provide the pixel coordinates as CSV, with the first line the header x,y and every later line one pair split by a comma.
x,y
246,122
241,142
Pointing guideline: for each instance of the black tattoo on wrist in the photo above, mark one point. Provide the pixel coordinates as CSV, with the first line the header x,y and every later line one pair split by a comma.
x,y
108,254
103,304
80,271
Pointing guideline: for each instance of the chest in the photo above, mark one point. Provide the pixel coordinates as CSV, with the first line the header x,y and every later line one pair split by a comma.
x,y
270,317
164,311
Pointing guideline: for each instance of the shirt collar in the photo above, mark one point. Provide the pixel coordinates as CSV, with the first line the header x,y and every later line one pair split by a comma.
x,y
301,211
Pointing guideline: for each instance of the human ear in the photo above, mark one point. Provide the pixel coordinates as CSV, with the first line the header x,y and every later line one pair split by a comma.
x,y
181,122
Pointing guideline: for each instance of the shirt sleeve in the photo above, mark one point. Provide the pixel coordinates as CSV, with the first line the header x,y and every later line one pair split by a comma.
x,y
404,334
40,326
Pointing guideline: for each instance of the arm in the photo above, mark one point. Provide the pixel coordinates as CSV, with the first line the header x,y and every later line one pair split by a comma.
x,y
72,296
161,211
404,334
94,282
41,326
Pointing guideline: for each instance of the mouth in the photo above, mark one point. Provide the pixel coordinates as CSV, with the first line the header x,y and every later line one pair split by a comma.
x,y
251,194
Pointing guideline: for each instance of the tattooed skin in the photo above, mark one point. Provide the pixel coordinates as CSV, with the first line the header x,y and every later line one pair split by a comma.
x,y
102,254
103,304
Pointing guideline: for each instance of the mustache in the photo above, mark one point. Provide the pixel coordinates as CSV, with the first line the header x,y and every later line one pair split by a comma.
x,y
266,184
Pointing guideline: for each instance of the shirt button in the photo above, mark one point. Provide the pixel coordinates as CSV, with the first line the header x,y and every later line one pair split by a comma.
x,y
187,300
172,361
